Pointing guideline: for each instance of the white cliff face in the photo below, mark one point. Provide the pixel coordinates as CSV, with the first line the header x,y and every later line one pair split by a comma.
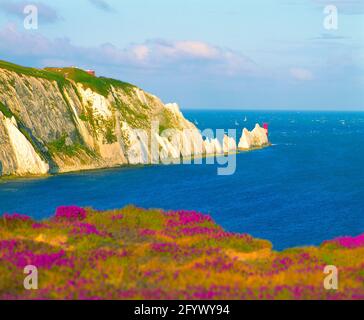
x,y
151,147
193,143
260,135
213,147
82,129
255,139
73,127
97,102
174,108
245,142
27,159
166,150
141,96
137,145
229,144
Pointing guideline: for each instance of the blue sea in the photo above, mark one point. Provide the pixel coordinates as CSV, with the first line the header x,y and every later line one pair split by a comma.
x,y
308,187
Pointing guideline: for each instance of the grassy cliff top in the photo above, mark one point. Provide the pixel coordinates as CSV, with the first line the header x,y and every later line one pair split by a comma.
x,y
100,85
150,254
31,72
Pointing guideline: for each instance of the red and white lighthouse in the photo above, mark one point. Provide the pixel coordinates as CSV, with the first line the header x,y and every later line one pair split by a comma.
x,y
266,127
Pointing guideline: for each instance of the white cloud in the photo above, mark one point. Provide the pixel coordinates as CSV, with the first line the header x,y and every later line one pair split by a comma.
x,y
141,52
153,54
301,74
196,49
162,53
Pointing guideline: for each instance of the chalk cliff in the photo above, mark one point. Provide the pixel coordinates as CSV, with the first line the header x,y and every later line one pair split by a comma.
x,y
64,119
256,138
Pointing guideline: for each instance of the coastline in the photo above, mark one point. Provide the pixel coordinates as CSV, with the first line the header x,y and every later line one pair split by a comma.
x,y
13,177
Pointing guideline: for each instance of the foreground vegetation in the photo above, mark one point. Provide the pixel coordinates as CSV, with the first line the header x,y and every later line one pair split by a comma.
x,y
150,254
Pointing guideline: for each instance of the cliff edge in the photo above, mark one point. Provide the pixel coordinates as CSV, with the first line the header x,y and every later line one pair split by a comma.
x,y
66,119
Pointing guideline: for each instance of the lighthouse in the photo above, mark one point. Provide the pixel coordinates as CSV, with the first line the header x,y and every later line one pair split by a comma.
x,y
266,127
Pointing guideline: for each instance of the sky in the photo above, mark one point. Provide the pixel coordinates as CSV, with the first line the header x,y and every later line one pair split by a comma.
x,y
202,54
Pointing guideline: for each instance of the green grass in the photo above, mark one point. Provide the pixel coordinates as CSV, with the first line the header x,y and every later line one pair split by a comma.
x,y
110,136
100,85
76,149
119,84
4,109
60,146
44,74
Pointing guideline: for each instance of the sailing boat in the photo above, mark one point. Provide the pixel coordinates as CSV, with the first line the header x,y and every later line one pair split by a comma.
x,y
246,119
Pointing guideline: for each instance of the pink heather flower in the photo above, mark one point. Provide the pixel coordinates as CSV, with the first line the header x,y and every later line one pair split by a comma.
x,y
165,247
199,231
127,294
71,213
350,242
8,245
217,264
183,218
282,263
147,232
45,260
37,225
297,292
16,217
204,295
85,229
117,217
101,255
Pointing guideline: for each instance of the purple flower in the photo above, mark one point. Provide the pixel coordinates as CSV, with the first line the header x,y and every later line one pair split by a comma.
x,y
350,242
45,260
85,229
281,264
147,232
183,218
37,225
8,245
16,217
217,264
117,217
165,247
71,213
101,254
